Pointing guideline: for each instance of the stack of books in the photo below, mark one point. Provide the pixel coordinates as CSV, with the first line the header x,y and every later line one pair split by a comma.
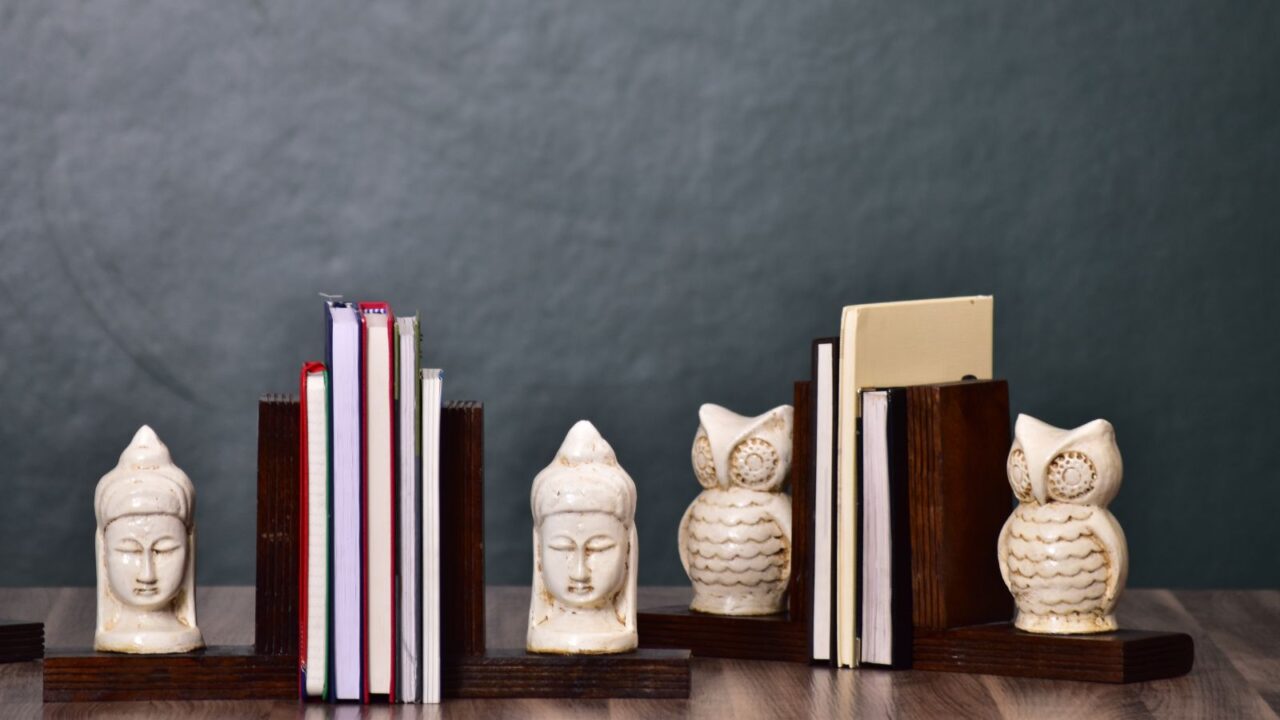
x,y
369,626
909,442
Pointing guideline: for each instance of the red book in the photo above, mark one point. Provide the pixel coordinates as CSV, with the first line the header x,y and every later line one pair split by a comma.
x,y
378,488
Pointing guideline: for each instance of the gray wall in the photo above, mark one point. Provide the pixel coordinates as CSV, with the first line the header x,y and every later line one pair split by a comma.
x,y
619,210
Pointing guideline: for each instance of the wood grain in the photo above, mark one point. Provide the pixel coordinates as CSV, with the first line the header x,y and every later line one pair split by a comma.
x,y
800,587
277,600
462,529
768,637
957,441
1232,676
518,674
220,672
999,649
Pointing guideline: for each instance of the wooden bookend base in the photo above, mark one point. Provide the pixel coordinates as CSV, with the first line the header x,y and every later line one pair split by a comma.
x,y
21,641
215,673
1124,656
517,674
767,637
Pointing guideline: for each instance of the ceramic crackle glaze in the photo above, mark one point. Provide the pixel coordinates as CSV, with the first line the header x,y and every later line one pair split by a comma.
x,y
735,538
145,545
1062,554
584,550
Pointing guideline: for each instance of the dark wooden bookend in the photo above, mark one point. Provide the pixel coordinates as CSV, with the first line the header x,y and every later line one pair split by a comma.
x,y
215,673
1123,656
958,497
21,641
277,603
269,669
957,442
469,669
461,531
786,636
516,673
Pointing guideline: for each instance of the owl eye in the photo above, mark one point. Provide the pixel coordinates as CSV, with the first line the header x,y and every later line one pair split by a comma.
x,y
1019,477
1071,475
753,463
704,466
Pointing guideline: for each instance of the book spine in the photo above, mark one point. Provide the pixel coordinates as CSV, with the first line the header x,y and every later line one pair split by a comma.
x,y
364,507
330,665
836,434
303,534
899,530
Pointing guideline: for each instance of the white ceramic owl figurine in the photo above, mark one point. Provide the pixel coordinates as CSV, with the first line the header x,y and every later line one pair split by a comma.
x,y
1062,553
735,539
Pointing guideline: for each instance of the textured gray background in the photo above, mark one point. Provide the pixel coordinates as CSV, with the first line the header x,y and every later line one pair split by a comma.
x,y
619,210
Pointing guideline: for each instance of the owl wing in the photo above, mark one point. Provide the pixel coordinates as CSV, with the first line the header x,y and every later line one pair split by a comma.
x,y
683,536
1002,549
1107,531
779,506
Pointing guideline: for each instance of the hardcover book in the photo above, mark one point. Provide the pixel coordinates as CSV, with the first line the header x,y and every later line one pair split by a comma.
x,y
313,620
820,567
343,361
409,575
379,487
886,548
432,391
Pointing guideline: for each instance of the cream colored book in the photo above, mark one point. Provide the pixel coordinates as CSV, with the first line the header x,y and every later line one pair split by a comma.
x,y
379,470
432,397
893,345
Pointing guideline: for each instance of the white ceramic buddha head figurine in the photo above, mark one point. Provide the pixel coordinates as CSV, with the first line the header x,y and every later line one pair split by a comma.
x,y
584,550
145,544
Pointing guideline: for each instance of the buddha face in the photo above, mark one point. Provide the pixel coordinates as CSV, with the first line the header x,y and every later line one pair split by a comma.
x,y
584,557
146,559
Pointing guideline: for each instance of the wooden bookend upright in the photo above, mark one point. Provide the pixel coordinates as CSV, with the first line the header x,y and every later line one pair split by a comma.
x,y
269,669
21,641
276,602
471,671
957,441
461,530
958,498
786,636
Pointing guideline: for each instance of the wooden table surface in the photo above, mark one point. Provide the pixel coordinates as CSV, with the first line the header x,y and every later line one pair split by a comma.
x,y
1237,671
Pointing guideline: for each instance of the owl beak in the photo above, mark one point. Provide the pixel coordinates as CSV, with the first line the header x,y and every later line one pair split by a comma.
x,y
1040,489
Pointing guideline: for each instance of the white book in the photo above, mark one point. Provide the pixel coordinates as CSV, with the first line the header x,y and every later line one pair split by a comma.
x,y
315,388
890,345
877,548
432,393
344,377
824,454
409,685
379,503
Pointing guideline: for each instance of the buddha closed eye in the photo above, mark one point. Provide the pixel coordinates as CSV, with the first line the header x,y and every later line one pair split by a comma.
x,y
146,559
584,557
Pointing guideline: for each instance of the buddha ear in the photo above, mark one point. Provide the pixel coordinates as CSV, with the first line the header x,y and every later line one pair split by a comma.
x,y
186,608
627,603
